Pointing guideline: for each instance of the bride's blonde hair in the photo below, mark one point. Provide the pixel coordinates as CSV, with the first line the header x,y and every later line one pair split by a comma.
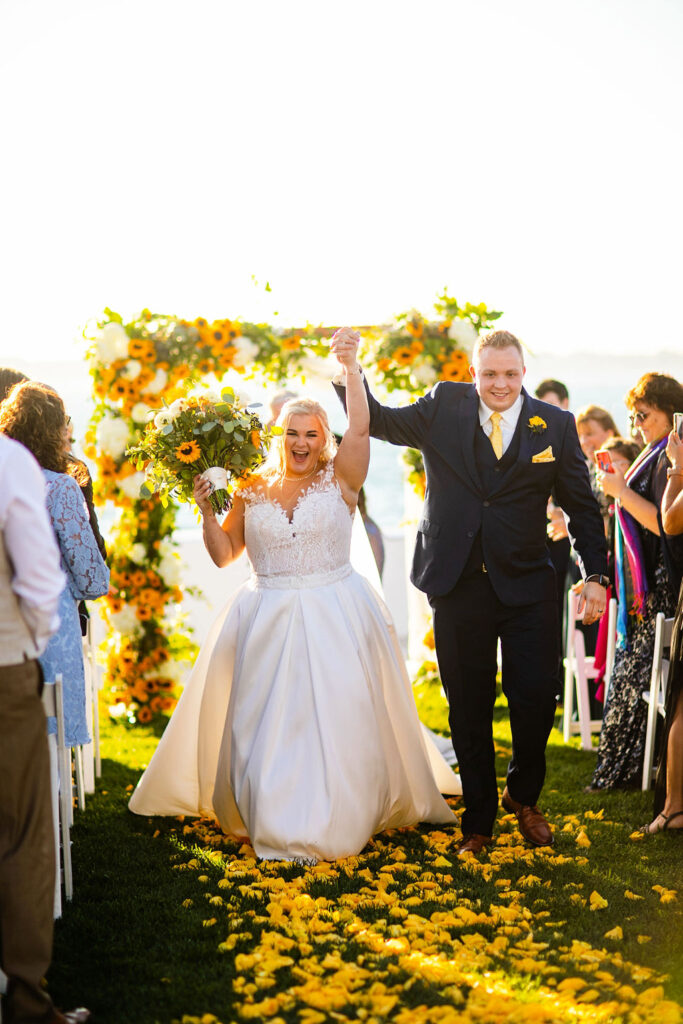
x,y
275,464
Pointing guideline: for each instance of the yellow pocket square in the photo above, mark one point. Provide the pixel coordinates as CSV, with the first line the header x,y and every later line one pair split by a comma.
x,y
545,456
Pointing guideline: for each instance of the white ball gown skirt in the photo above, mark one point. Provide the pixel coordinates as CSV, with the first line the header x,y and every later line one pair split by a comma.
x,y
298,727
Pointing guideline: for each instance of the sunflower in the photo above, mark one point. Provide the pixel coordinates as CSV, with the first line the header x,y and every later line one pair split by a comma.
x,y
206,365
255,438
200,323
454,371
383,364
144,612
404,355
144,715
416,347
188,451
456,366
292,343
415,328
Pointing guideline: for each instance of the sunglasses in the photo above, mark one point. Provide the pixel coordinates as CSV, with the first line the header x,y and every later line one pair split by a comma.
x,y
638,417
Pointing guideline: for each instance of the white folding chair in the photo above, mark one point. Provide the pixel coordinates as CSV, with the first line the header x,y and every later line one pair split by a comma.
x,y
611,645
95,676
579,668
88,748
655,697
54,707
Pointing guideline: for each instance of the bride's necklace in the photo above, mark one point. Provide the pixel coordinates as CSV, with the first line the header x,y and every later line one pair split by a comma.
x,y
304,476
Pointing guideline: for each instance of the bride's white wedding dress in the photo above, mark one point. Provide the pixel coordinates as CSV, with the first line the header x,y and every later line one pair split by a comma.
x,y
298,727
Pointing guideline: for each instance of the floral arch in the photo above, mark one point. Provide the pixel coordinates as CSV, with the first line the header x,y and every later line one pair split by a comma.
x,y
140,366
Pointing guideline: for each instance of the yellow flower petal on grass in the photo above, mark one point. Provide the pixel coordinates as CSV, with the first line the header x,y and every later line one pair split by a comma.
x,y
632,895
642,939
597,902
615,933
582,839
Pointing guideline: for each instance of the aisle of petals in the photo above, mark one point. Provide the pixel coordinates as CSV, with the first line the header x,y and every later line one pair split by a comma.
x,y
408,932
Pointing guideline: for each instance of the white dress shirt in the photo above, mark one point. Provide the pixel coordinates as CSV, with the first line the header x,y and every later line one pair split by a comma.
x,y
30,541
508,420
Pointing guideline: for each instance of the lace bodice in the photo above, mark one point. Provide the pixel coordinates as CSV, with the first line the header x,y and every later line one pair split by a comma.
x,y
317,540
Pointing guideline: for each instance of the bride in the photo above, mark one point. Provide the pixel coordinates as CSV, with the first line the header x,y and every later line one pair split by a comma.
x,y
298,728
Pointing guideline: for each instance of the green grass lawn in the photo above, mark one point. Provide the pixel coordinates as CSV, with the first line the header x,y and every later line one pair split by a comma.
x,y
172,921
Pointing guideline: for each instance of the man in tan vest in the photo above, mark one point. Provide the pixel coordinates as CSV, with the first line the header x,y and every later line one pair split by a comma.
x,y
30,584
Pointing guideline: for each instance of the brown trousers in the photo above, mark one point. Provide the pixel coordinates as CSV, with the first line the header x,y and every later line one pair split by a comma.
x,y
27,851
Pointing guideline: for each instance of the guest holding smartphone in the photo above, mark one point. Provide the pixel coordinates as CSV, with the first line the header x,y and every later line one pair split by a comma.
x,y
668,803
647,575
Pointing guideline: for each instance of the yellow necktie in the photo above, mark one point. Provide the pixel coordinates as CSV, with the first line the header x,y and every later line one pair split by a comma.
x,y
496,437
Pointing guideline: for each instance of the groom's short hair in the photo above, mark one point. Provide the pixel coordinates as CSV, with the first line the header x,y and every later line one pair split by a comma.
x,y
497,339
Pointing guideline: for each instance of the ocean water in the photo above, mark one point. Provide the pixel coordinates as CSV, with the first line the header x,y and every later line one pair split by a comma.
x,y
590,378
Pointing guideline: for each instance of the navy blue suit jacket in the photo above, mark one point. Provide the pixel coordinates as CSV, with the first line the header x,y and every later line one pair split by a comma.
x,y
512,514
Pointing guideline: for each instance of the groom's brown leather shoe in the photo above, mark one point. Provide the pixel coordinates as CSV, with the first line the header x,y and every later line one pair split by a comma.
x,y
532,824
473,842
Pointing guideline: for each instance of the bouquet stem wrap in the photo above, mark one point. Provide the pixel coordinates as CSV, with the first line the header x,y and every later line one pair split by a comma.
x,y
218,478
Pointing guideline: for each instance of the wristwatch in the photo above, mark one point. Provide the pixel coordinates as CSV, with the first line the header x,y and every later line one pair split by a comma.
x,y
604,581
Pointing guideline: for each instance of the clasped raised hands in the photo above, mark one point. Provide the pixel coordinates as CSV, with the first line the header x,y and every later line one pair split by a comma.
x,y
344,344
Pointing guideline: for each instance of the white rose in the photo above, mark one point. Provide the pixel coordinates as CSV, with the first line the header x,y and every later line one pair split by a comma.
x,y
162,419
132,369
112,436
170,569
138,553
158,383
112,343
175,670
175,408
131,485
245,351
211,396
423,374
464,333
117,710
125,621
140,412
242,399
166,547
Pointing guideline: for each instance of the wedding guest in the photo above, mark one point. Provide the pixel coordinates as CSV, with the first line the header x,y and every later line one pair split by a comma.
x,y
276,404
554,392
622,453
648,574
594,426
34,415
373,531
668,803
31,582
8,378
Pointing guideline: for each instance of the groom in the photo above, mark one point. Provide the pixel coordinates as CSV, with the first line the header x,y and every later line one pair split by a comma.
x,y
492,456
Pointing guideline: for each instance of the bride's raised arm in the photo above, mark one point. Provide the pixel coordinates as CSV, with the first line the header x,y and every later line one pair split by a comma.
x,y
353,457
224,542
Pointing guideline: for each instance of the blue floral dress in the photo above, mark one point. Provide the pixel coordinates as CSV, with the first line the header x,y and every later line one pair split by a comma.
x,y
87,577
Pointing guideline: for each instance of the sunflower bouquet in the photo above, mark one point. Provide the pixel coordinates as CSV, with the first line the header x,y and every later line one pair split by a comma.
x,y
208,434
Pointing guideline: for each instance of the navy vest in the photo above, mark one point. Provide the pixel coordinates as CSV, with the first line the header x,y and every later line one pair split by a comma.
x,y
490,470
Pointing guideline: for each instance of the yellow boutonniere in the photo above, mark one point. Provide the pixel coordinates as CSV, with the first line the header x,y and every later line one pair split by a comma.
x,y
537,425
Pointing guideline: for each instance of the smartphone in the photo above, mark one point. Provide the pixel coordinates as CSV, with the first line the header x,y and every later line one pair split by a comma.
x,y
604,462
678,424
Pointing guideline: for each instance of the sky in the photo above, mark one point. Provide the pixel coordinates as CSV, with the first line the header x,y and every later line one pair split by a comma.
x,y
357,157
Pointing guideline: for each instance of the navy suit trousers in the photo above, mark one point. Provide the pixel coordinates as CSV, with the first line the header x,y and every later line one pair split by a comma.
x,y
468,622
